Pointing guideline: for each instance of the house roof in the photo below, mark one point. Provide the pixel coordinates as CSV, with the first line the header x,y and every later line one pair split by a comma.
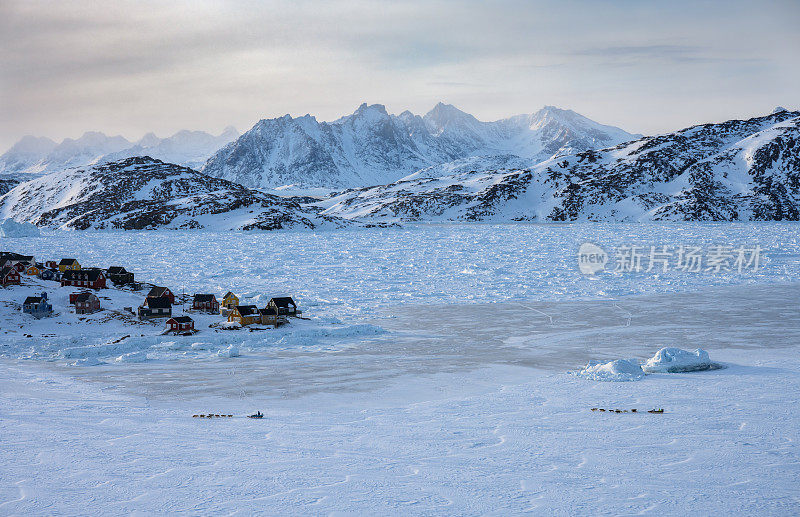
x,y
157,292
117,270
67,262
160,302
6,270
84,297
283,301
268,311
205,298
33,299
90,274
181,319
229,294
247,310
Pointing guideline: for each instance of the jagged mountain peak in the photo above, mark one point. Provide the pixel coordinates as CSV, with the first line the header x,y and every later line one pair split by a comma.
x,y
33,145
148,140
444,116
229,132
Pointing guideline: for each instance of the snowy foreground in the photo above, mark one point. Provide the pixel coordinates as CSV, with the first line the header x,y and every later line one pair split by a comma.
x,y
448,391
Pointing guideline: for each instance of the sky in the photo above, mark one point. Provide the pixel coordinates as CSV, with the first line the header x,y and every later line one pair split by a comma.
x,y
133,67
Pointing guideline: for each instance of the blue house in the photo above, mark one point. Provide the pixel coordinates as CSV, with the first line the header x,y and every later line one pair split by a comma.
x,y
49,274
37,306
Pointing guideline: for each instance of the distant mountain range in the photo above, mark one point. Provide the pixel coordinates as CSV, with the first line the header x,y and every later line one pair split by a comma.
x,y
372,147
144,193
729,171
736,170
38,155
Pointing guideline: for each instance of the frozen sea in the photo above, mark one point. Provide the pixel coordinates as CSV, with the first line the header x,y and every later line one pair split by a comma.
x,y
434,379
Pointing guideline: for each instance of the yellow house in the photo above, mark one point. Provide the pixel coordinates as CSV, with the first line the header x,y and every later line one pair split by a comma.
x,y
244,315
33,270
68,263
229,301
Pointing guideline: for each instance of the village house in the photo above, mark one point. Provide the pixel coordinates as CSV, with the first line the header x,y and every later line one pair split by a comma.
x,y
51,264
85,303
92,277
161,292
269,316
244,315
153,307
50,274
181,324
37,306
119,275
229,301
284,306
9,258
68,264
34,270
9,276
206,303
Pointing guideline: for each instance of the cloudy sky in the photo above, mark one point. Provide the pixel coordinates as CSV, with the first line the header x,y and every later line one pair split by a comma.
x,y
132,67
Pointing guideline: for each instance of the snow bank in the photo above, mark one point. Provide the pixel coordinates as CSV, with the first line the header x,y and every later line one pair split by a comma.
x,y
11,228
676,360
620,370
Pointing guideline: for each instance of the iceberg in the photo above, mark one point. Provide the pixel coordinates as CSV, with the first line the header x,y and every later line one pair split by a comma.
x,y
619,370
677,360
11,228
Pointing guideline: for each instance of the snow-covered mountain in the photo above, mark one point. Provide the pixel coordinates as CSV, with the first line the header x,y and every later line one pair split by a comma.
x,y
373,147
736,170
25,154
36,156
145,193
187,148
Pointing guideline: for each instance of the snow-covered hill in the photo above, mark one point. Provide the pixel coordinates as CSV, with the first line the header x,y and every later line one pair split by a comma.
x,y
144,193
36,156
372,147
736,170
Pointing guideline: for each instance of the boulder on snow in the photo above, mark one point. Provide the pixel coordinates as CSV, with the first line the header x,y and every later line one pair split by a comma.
x,y
676,360
620,370
11,228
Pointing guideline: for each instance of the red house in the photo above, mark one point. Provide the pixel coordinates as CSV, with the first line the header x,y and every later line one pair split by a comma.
x,y
180,324
92,278
9,276
205,303
159,292
85,303
51,264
